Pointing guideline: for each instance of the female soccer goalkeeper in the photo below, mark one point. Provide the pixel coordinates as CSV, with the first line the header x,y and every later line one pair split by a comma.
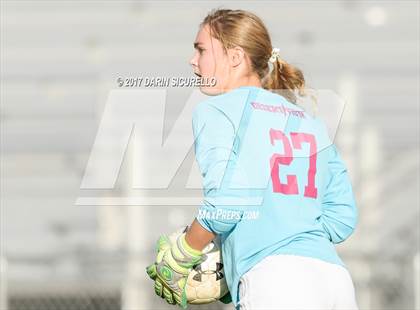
x,y
261,154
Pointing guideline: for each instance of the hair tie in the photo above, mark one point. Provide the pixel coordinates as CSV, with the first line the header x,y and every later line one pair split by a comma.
x,y
275,53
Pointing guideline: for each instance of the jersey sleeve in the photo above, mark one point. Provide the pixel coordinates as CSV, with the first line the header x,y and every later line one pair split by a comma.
x,y
214,133
339,212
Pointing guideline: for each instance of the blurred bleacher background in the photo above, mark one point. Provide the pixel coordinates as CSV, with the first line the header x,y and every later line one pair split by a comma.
x,y
59,61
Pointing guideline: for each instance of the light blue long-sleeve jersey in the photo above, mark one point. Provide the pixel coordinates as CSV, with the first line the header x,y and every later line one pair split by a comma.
x,y
273,181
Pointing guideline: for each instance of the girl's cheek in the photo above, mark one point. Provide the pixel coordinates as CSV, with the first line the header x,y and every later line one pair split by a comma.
x,y
201,62
204,68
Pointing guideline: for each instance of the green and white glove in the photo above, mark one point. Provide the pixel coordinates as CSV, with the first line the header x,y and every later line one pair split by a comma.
x,y
175,260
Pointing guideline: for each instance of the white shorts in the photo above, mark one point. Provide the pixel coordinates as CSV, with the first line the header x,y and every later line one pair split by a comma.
x,y
296,282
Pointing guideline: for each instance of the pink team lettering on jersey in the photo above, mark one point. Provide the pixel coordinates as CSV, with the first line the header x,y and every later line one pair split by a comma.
x,y
277,109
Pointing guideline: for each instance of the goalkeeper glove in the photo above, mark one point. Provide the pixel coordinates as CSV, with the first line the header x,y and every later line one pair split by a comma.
x,y
174,261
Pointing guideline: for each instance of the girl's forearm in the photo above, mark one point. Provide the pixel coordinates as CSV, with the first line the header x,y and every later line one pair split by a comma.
x,y
198,237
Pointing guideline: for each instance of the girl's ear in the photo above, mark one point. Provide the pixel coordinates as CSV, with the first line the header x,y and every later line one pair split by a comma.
x,y
236,56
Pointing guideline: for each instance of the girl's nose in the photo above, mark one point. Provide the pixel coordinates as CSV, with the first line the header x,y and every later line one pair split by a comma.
x,y
193,61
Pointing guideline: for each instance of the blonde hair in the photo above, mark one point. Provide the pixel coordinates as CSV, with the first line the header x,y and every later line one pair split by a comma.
x,y
245,29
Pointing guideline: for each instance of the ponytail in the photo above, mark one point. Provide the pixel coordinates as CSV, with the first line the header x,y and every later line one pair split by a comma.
x,y
285,79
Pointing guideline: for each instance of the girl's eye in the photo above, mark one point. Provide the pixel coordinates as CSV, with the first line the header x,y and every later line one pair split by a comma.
x,y
200,50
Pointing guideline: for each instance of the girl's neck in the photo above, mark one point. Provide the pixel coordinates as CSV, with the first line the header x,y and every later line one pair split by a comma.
x,y
248,81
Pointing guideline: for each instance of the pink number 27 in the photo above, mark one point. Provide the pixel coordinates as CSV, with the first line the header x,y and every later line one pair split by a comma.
x,y
291,186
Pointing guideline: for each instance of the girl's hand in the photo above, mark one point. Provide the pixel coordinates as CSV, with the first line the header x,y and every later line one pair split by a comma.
x,y
174,261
